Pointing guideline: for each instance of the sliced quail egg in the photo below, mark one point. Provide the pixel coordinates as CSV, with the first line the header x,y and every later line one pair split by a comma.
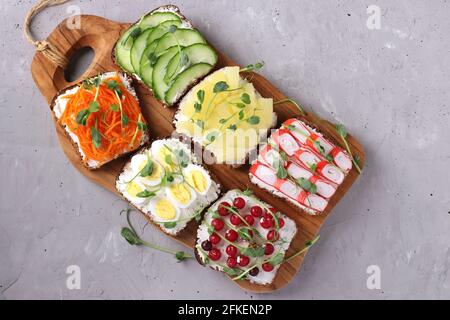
x,y
163,209
197,178
181,194
132,190
138,163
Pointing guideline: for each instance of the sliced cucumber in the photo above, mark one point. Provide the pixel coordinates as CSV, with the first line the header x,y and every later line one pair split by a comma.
x,y
159,70
138,48
191,55
155,18
182,37
162,29
184,80
123,47
147,61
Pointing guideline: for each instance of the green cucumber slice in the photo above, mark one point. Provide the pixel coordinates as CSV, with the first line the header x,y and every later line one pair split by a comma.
x,y
139,45
148,59
153,19
184,80
123,47
162,29
190,55
159,70
181,37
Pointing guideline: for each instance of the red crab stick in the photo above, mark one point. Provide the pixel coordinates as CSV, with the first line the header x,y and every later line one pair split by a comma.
x,y
325,188
313,203
270,156
305,157
307,137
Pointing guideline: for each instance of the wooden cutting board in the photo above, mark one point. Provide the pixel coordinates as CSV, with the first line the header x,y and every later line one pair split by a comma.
x,y
101,34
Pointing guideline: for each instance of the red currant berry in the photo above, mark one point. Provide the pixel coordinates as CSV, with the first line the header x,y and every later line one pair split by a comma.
x,y
217,224
235,219
280,223
274,211
254,272
266,222
231,235
250,219
231,262
273,236
239,202
269,249
243,260
267,267
223,208
206,245
214,254
214,238
232,251
256,211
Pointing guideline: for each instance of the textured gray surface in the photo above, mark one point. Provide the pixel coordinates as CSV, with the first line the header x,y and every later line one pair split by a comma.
x,y
389,86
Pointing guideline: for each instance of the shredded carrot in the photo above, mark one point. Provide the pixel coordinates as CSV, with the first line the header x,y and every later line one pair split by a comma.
x,y
115,137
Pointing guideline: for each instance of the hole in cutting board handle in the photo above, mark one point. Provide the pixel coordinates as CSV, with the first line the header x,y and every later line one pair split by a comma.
x,y
79,62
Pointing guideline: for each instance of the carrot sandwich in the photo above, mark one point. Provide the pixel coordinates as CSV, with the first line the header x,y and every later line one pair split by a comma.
x,y
244,238
166,183
102,117
301,165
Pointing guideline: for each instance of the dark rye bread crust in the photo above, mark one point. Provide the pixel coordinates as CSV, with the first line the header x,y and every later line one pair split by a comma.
x,y
176,10
143,148
74,144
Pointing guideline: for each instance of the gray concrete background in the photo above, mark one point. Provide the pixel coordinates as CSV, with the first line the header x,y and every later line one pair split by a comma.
x,y
390,87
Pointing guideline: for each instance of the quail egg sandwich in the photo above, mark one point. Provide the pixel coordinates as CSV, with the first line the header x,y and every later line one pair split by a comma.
x,y
167,184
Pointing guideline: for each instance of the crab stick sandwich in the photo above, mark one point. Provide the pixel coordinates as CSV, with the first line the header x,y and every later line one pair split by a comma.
x,y
301,166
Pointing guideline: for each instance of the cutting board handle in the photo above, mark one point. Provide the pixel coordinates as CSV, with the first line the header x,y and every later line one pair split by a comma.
x,y
68,37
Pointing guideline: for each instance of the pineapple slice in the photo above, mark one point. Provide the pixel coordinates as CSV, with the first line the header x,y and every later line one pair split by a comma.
x,y
230,118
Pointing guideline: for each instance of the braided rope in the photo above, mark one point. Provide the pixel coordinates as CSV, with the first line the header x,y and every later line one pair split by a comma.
x,y
47,49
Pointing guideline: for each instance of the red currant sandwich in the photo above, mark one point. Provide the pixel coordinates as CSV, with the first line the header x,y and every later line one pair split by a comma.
x,y
166,183
244,237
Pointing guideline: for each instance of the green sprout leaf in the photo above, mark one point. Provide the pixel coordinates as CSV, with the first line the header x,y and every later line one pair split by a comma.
x,y
130,236
94,106
148,169
124,120
82,116
253,120
198,107
114,107
341,130
201,96
245,98
170,225
220,86
276,259
145,194
96,137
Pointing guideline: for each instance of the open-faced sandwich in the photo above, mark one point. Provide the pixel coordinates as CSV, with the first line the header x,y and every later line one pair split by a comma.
x,y
244,238
301,165
102,117
225,115
165,52
166,184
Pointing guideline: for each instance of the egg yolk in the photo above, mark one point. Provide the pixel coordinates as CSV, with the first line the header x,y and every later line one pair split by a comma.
x,y
197,180
157,172
133,189
165,210
181,193
162,154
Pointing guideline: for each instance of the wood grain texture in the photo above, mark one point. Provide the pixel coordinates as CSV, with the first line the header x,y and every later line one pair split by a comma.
x,y
101,34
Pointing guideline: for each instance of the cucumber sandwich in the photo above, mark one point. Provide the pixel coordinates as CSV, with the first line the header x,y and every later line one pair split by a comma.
x,y
165,52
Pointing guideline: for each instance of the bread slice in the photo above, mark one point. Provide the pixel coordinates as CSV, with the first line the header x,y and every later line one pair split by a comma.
x,y
175,201
253,247
59,104
227,147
